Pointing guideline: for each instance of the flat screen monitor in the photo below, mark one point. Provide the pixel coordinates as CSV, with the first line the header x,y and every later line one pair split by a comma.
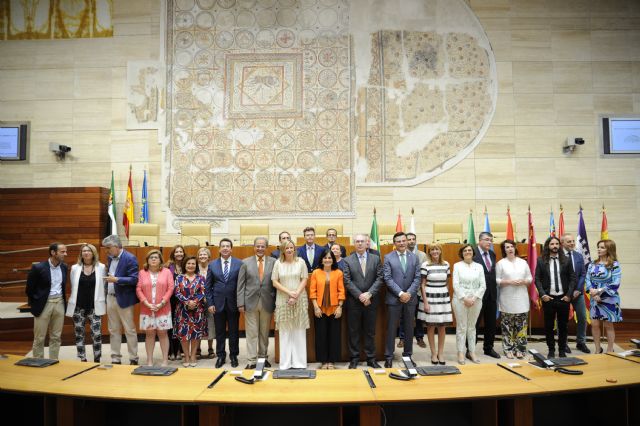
x,y
621,135
13,141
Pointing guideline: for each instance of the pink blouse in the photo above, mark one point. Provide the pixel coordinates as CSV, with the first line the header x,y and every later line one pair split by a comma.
x,y
164,290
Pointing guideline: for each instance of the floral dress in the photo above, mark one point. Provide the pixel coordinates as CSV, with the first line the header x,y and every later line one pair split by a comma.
x,y
190,324
600,277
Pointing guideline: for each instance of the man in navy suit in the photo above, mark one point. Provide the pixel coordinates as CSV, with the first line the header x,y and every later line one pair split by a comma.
x,y
121,281
332,237
46,292
221,289
283,236
577,261
401,273
310,252
487,258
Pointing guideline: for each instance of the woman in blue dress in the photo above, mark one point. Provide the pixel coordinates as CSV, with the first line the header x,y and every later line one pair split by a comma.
x,y
602,283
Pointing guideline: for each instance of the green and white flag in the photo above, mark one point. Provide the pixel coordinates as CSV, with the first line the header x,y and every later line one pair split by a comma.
x,y
375,241
112,225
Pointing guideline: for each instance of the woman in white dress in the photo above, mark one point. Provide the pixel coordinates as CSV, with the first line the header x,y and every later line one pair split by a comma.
x,y
513,277
292,307
468,288
434,307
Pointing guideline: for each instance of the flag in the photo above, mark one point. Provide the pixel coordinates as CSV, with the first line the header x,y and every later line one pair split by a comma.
x,y
582,247
144,211
373,235
127,213
532,260
510,235
412,225
552,225
487,226
561,222
471,235
112,225
399,222
604,229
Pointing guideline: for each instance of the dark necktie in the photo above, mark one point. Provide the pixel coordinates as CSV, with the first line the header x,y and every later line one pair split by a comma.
x,y
487,261
555,274
225,272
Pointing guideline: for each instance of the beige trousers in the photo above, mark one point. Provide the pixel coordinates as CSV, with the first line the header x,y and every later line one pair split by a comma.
x,y
119,319
52,320
256,325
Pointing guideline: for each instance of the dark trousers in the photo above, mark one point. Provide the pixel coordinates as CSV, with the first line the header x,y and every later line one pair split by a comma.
x,y
396,312
488,315
328,338
418,330
174,342
361,321
227,324
556,309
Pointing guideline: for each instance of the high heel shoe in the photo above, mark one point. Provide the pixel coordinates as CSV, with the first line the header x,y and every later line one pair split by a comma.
x,y
434,362
599,351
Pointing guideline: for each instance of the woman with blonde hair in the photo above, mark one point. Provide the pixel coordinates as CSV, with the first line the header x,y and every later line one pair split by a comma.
x,y
154,290
87,299
602,282
176,265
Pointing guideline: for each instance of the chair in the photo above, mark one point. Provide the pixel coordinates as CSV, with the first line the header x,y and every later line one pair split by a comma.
x,y
193,234
447,232
385,232
322,229
248,233
499,231
144,234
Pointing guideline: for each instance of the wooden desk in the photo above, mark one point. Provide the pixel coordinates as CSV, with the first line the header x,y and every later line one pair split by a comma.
x,y
18,378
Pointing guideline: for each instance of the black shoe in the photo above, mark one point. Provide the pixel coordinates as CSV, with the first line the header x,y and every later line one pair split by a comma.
x,y
388,363
562,354
353,364
267,364
567,349
116,362
234,361
133,362
373,364
250,367
492,353
412,363
96,360
83,360
442,362
551,354
220,362
468,356
583,348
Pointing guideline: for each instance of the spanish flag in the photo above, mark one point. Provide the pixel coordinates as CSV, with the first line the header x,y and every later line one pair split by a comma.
x,y
127,213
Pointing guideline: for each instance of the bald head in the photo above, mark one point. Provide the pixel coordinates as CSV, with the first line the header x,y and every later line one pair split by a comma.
x,y
568,242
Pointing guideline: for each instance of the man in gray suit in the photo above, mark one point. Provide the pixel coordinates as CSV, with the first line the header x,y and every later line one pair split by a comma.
x,y
256,298
362,279
402,277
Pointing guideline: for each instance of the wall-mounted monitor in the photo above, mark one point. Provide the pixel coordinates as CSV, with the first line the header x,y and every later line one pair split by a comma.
x,y
620,135
14,140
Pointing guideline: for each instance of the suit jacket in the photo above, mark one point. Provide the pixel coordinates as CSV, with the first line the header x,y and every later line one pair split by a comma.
x,y
397,281
579,270
275,254
99,301
127,273
489,275
221,293
356,283
343,250
251,289
39,286
311,263
543,278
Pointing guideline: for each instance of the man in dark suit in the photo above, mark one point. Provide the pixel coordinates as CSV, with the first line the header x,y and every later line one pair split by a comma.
x,y
577,300
46,291
120,288
401,272
221,290
257,299
310,252
332,236
487,258
555,281
282,237
362,279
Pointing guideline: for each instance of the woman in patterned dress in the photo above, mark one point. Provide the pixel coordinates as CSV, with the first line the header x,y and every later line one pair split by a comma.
x,y
434,307
513,277
292,307
204,257
154,290
175,265
191,323
602,283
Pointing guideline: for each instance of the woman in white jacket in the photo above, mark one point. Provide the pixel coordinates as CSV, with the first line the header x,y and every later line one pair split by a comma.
x,y
87,300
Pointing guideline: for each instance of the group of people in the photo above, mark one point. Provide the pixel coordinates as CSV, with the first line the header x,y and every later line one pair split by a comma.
x,y
191,298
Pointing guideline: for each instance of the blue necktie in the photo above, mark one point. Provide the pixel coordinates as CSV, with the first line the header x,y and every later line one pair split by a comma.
x,y
225,272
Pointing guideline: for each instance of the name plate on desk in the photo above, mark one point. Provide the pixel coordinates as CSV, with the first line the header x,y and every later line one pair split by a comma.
x,y
36,362
438,370
144,370
294,374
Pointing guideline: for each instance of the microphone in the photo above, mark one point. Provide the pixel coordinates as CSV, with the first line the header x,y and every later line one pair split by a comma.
x,y
190,237
524,240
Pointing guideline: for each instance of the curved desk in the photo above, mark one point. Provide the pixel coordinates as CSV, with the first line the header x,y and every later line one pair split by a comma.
x,y
607,393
